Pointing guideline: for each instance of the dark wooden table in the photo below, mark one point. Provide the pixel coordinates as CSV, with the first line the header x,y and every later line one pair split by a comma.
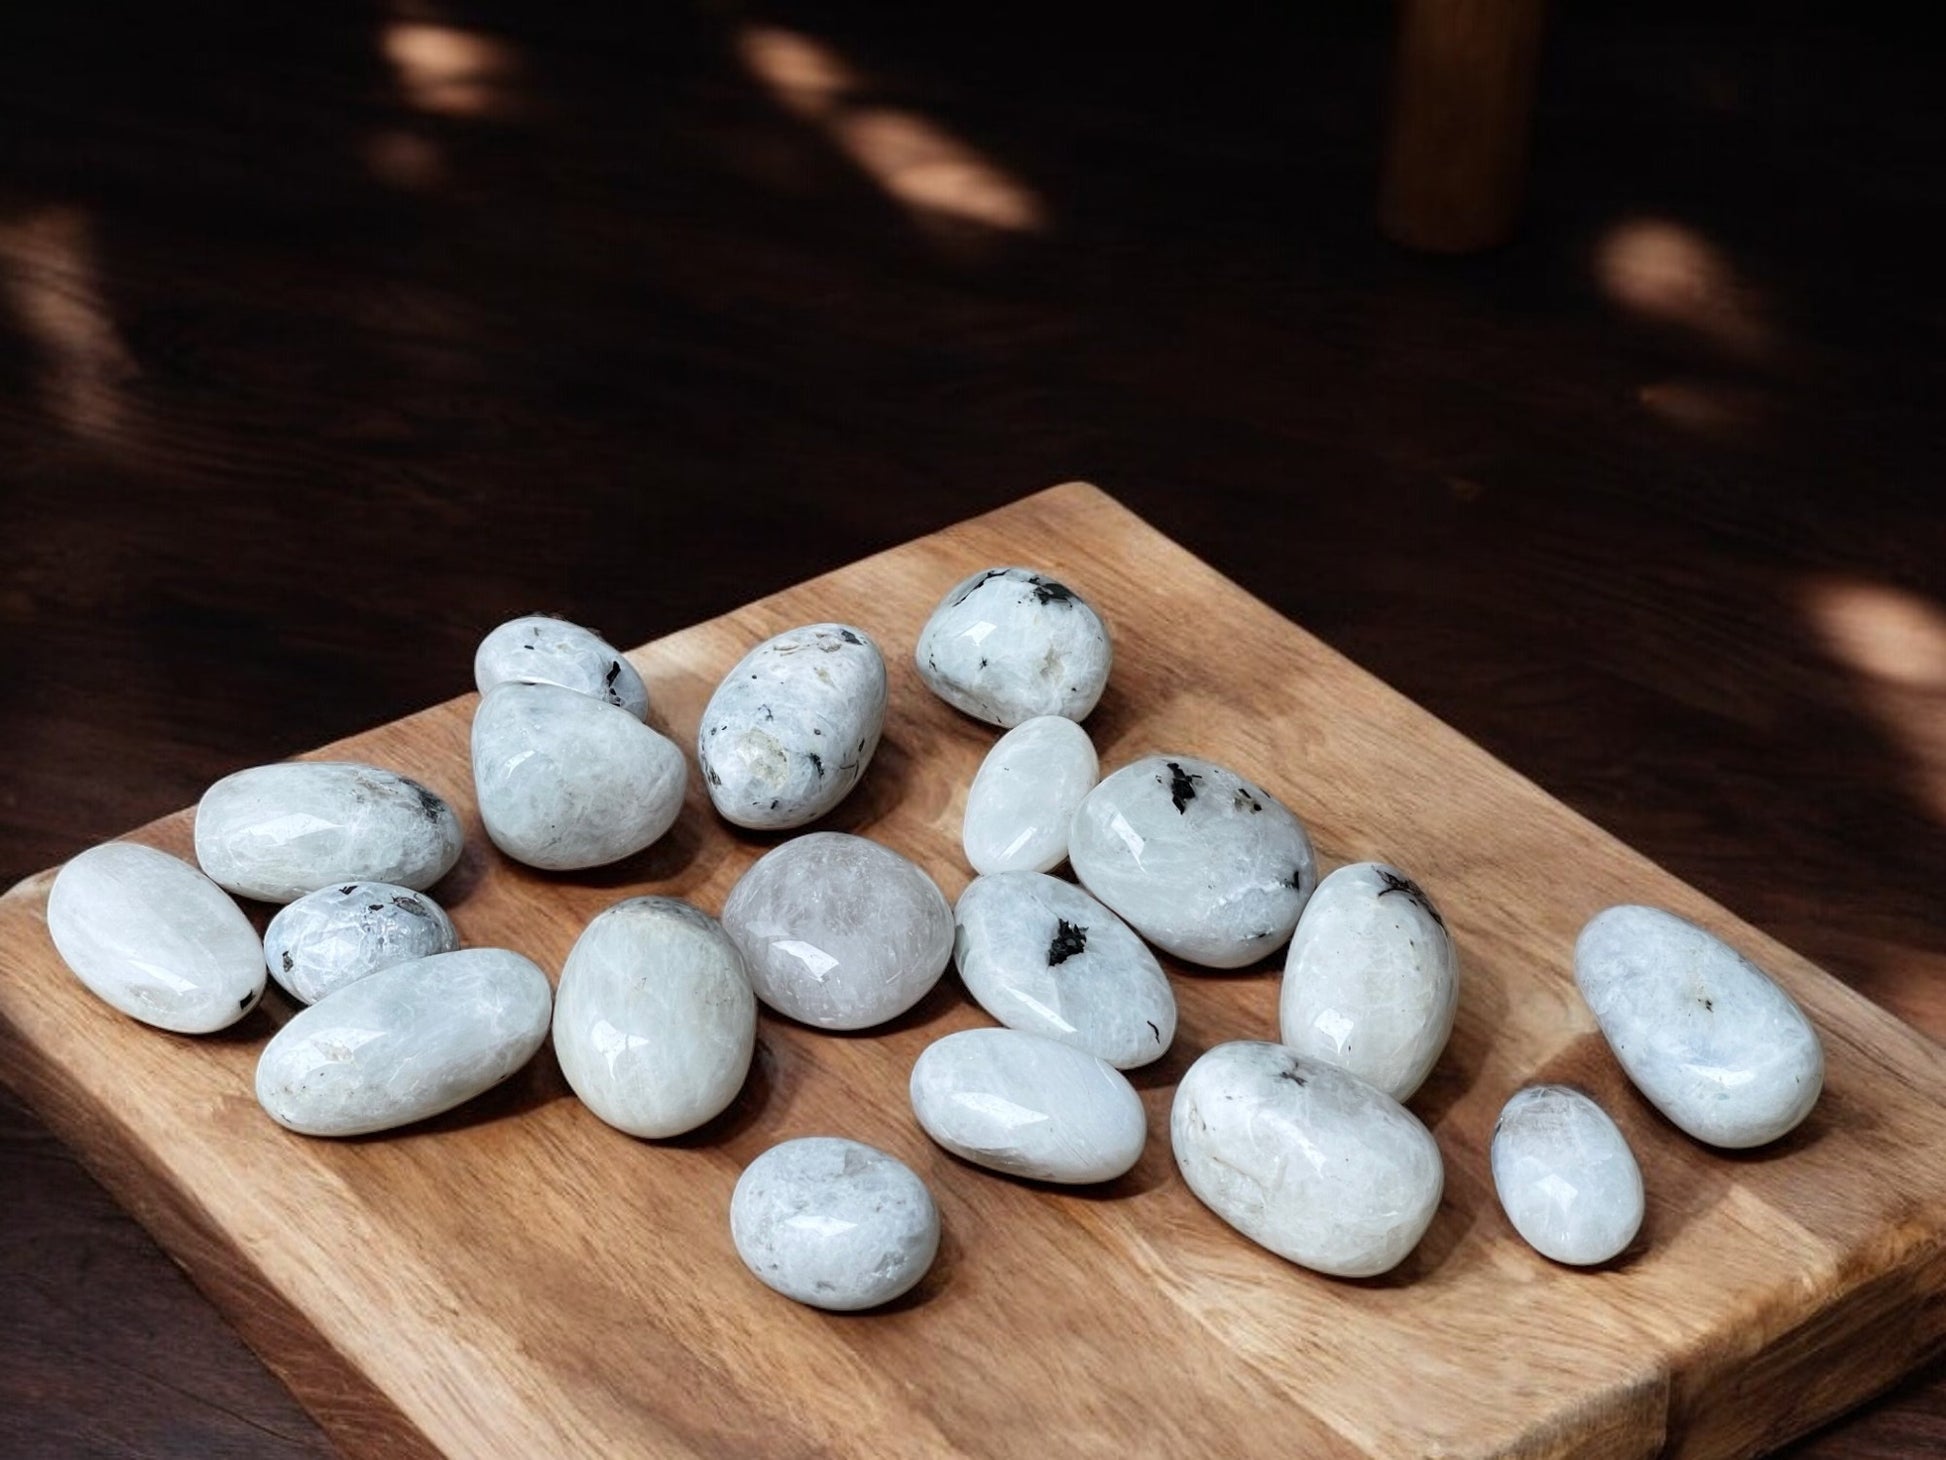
x,y
329,336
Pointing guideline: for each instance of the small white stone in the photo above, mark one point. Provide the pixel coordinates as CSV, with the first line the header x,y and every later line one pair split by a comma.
x,y
654,1020
1028,1106
567,782
1305,1159
1041,955
1565,1174
276,832
833,1223
1008,644
1371,984
541,649
340,934
1202,863
1025,796
838,931
155,938
406,1043
792,727
1702,1031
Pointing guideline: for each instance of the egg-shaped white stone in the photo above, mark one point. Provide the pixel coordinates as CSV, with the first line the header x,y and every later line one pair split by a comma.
x,y
340,934
1566,1177
538,648
1024,796
1007,644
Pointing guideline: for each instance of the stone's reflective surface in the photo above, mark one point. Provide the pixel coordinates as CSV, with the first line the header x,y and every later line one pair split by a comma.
x,y
1703,1032
1371,983
1305,1159
276,832
654,1020
565,781
792,727
838,931
1028,1106
833,1223
155,938
1008,644
1202,863
1025,796
1041,955
540,649
339,934
1565,1174
406,1043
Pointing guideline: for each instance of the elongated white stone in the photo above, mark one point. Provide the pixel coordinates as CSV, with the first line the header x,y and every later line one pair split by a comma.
x,y
1008,644
1042,956
1305,1159
1371,983
540,649
566,782
340,934
1702,1031
793,726
1566,1177
838,931
1202,863
155,938
276,832
1025,795
833,1223
405,1043
654,1020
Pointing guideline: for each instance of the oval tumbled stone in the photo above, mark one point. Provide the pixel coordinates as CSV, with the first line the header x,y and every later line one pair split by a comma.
x,y
1007,644
155,938
338,935
1565,1175
1702,1031
276,832
406,1043
1024,796
654,1020
1305,1159
541,649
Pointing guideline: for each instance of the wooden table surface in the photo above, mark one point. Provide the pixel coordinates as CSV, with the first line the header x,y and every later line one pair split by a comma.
x,y
328,339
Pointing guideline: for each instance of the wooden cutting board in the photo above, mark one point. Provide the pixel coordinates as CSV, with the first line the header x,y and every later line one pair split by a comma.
x,y
518,1279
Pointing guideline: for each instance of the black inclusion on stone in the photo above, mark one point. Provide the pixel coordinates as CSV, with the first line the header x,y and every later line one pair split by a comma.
x,y
375,907
614,673
1068,941
849,637
974,586
1153,1030
411,905
348,889
287,960
1247,802
817,762
1413,893
1182,787
1046,590
1294,1077
429,804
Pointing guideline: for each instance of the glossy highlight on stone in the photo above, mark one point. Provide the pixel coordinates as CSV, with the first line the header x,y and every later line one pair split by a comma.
x,y
1008,644
340,934
1565,1175
538,648
1024,797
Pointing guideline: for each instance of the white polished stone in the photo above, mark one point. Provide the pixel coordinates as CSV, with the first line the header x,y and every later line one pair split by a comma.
x,y
654,1020
155,938
1029,1106
541,649
1202,863
1042,956
1371,983
1025,795
792,727
405,1043
567,782
838,931
1008,644
276,832
833,1223
1703,1032
1305,1159
1566,1177
339,934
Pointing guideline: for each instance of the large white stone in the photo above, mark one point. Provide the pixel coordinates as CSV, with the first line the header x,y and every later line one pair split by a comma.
x,y
1371,983
654,1020
1007,644
1565,1175
276,832
339,934
406,1043
566,782
1041,955
1702,1031
1202,863
1305,1159
792,727
833,1223
838,931
155,938
1025,796
541,649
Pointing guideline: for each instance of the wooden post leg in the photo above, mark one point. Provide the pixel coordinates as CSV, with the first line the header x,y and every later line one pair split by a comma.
x,y
1462,108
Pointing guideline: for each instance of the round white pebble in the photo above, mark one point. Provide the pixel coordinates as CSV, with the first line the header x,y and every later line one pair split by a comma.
x,y
1024,796
1007,644
340,934
542,649
1565,1175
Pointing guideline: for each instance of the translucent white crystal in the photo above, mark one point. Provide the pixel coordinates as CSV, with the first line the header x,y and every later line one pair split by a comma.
x,y
1007,644
541,649
1025,796
339,934
1565,1175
